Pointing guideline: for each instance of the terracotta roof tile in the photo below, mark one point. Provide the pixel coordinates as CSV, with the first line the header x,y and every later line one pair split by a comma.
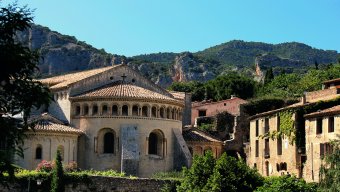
x,y
47,123
194,134
121,89
62,81
330,111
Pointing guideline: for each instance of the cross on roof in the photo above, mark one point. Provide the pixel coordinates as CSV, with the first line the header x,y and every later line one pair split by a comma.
x,y
123,76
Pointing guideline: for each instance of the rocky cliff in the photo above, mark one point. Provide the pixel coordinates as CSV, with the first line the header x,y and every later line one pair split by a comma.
x,y
61,53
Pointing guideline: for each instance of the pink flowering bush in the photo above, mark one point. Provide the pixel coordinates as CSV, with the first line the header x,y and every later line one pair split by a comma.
x,y
45,166
71,166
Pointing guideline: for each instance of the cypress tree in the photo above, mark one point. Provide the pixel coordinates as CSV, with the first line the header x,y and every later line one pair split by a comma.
x,y
57,183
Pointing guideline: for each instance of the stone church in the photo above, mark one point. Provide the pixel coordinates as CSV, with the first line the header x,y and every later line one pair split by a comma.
x,y
110,118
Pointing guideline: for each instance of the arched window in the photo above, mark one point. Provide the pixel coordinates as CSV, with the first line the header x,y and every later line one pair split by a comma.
x,y
95,109
168,111
86,109
77,112
156,139
161,112
105,110
125,110
135,110
108,142
115,110
154,111
144,111
61,149
38,152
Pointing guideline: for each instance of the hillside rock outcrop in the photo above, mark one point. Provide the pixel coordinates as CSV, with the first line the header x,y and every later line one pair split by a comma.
x,y
189,68
62,53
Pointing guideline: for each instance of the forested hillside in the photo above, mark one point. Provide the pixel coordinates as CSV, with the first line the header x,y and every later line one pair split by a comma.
x,y
62,54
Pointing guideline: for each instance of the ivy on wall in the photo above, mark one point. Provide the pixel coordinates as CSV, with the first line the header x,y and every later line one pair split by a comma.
x,y
292,122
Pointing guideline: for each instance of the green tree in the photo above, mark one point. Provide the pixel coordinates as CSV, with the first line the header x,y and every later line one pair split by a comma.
x,y
231,174
57,182
330,171
286,184
269,76
196,177
196,89
19,93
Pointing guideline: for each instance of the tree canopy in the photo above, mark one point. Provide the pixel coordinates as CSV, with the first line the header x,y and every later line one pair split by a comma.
x,y
19,92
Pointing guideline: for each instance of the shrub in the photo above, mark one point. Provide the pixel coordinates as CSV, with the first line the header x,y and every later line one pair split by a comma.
x,y
286,184
45,166
71,166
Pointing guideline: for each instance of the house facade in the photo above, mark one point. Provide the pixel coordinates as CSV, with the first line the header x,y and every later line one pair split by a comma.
x,y
301,152
321,128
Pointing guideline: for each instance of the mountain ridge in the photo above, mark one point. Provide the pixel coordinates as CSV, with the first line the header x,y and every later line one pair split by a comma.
x,y
64,53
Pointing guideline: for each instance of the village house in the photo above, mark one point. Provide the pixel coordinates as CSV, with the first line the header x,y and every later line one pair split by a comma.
x,y
321,127
236,131
301,152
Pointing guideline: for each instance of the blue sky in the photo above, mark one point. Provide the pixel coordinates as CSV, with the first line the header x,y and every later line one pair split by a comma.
x,y
132,27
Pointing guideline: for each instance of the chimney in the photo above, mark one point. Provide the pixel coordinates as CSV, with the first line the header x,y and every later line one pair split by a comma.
x,y
232,96
303,99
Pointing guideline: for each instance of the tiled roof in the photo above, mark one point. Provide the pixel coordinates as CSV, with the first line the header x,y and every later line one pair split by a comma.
x,y
332,81
295,105
63,81
194,134
121,89
178,95
330,111
48,123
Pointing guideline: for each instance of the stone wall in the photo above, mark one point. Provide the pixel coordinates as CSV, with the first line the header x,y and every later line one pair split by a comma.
x,y
321,94
103,184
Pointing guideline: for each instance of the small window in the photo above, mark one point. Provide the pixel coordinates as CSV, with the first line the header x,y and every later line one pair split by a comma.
x,y
114,110
77,110
330,124
256,148
94,110
145,111
156,139
104,110
38,152
135,110
278,122
86,109
279,146
154,112
161,112
108,142
319,126
266,148
257,128
202,113
255,166
266,125
153,143
225,104
125,110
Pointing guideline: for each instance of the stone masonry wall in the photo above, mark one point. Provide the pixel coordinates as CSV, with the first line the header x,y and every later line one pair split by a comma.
x,y
105,184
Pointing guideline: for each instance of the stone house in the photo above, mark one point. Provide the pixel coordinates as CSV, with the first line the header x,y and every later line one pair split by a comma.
x,y
199,142
280,155
321,127
116,119
234,137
